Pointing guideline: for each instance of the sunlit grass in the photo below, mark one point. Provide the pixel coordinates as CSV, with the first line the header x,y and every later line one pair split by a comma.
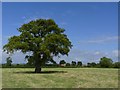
x,y
70,78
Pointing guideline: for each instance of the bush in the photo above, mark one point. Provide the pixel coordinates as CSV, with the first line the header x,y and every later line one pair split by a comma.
x,y
62,62
79,63
116,65
73,63
106,62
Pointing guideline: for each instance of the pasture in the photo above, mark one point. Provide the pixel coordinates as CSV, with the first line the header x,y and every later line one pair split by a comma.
x,y
60,78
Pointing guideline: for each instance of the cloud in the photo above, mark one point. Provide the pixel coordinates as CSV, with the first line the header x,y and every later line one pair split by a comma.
x,y
74,55
97,53
87,56
116,53
102,40
18,57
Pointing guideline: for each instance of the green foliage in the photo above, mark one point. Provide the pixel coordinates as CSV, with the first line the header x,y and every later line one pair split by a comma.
x,y
67,64
41,37
105,62
88,64
73,63
79,63
62,62
117,65
8,61
92,64
30,60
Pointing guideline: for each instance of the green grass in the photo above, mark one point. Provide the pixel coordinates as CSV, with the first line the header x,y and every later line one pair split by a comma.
x,y
71,78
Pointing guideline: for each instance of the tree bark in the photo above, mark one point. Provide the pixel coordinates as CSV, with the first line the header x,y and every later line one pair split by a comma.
x,y
37,63
37,69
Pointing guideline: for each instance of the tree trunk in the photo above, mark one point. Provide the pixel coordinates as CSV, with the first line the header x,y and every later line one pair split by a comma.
x,y
37,63
37,69
37,66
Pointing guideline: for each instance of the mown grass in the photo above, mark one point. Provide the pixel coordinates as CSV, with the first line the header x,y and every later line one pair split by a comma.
x,y
60,78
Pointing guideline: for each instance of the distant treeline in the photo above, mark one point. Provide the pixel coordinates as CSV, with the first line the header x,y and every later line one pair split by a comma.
x,y
103,63
90,65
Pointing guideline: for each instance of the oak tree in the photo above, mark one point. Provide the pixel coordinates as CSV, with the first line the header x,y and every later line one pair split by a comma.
x,y
43,38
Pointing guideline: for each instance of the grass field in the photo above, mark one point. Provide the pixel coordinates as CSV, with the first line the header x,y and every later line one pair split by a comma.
x,y
60,78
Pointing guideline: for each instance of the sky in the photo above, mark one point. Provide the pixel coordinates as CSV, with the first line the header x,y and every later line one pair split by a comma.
x,y
92,27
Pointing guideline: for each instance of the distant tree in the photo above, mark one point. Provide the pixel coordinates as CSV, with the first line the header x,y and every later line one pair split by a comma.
x,y
30,60
73,63
17,64
97,65
79,63
43,38
116,65
9,61
67,64
62,62
52,61
93,64
88,64
105,62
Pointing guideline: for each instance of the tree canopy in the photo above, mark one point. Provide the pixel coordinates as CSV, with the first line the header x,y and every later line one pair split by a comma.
x,y
43,38
106,62
62,62
73,63
79,63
